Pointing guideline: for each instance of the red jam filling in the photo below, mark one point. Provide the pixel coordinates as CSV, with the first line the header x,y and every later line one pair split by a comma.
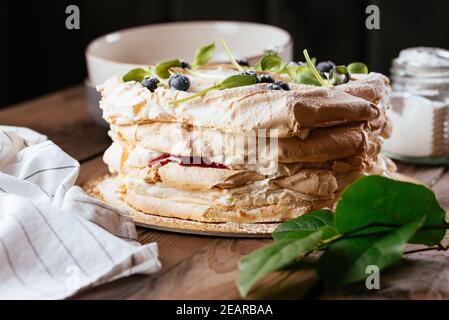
x,y
185,161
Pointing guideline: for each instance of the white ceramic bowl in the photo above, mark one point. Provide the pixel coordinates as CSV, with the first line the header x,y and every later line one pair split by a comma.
x,y
118,52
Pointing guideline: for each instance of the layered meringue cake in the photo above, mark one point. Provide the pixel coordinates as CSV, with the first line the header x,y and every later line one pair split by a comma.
x,y
264,152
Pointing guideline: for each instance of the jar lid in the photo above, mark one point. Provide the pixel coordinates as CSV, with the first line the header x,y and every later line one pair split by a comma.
x,y
422,62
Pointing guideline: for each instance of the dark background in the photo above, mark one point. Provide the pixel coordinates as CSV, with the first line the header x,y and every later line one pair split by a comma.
x,y
39,55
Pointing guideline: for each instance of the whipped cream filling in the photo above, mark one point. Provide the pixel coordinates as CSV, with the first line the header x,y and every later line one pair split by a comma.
x,y
140,157
120,160
254,193
258,193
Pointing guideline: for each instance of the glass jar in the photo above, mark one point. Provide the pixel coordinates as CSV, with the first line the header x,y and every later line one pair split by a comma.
x,y
420,104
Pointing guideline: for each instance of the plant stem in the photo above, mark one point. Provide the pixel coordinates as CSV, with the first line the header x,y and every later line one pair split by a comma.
x,y
393,225
338,236
372,225
196,95
228,53
387,225
438,248
314,71
349,234
435,227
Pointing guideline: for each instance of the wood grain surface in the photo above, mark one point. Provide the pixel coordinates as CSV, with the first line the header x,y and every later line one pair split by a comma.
x,y
199,267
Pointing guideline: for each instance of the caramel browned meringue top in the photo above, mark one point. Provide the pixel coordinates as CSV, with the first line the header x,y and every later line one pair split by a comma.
x,y
242,109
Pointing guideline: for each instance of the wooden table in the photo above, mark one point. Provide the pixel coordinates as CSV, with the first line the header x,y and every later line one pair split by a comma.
x,y
200,267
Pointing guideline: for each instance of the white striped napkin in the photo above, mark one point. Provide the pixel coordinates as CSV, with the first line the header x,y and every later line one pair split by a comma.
x,y
54,239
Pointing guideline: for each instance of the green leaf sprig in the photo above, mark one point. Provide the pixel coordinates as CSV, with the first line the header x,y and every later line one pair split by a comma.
x,y
162,69
231,58
272,63
374,219
236,80
203,55
357,67
315,72
137,74
303,75
308,74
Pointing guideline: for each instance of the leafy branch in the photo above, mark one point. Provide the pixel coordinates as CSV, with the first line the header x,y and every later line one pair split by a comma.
x,y
374,219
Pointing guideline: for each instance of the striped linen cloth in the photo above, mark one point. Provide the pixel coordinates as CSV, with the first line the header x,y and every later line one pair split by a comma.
x,y
54,239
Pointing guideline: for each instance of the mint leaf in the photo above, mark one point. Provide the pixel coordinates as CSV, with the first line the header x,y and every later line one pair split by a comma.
x,y
345,260
310,222
357,67
237,80
270,62
375,199
137,74
274,257
203,55
303,75
162,68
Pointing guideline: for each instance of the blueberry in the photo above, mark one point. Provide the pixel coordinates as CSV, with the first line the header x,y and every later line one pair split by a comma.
x,y
179,82
323,75
150,83
273,86
325,66
185,64
264,78
242,62
251,73
283,85
278,85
